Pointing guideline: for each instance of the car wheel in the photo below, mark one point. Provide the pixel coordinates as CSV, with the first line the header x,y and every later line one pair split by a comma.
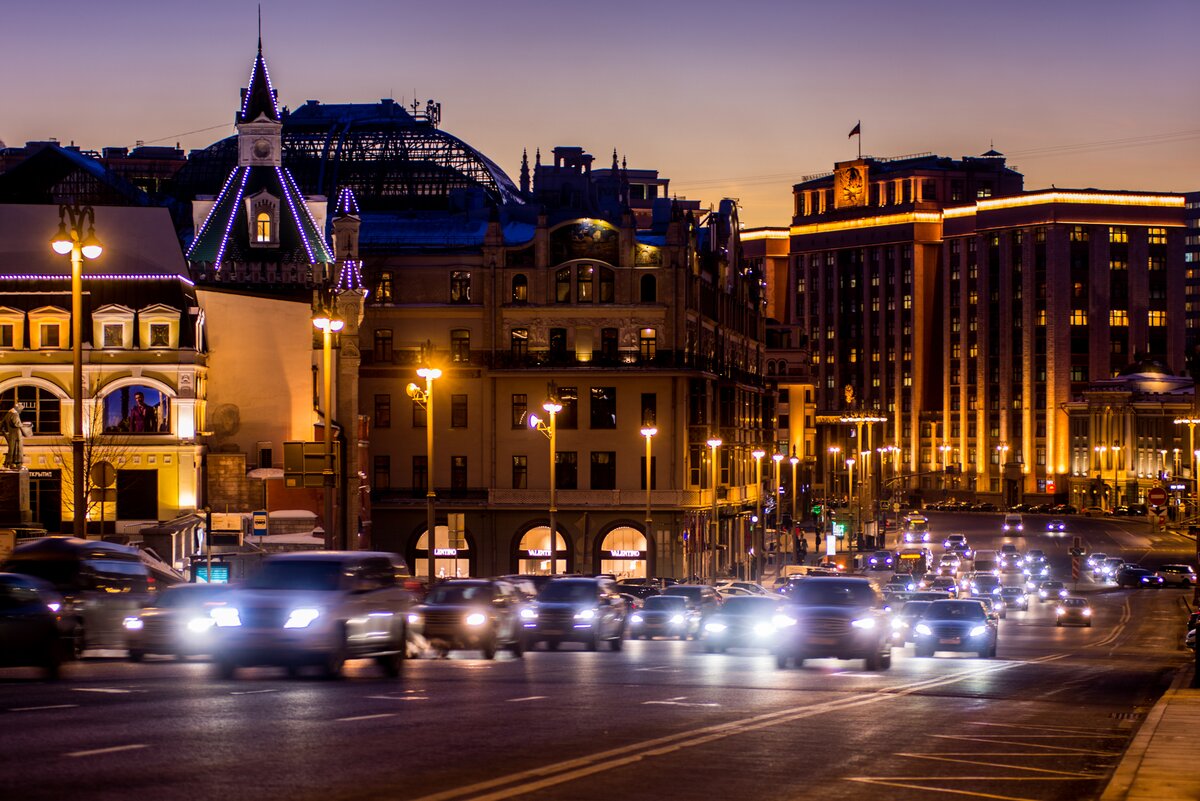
x,y
551,645
488,650
52,665
292,671
924,651
136,655
391,664
1058,623
224,668
885,659
335,660
518,647
78,641
871,661
781,661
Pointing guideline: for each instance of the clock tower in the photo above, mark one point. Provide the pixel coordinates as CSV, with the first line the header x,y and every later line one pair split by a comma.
x,y
258,124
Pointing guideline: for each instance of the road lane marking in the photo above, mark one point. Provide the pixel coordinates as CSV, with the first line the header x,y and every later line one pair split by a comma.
x,y
942,758
252,692
994,741
111,750
39,708
526,698
905,782
366,717
674,702
110,690
529,781
1034,726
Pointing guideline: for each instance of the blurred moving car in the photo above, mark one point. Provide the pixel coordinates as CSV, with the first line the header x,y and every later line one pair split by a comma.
x,y
666,616
956,626
994,606
1095,560
957,543
1178,575
904,620
1051,591
1134,576
835,616
984,584
704,598
746,622
1056,526
742,587
315,608
1073,611
585,610
31,630
472,614
945,584
176,623
881,560
1111,566
1013,524
1014,598
638,590
949,564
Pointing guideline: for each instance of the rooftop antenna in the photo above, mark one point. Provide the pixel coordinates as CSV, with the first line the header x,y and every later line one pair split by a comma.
x,y
260,29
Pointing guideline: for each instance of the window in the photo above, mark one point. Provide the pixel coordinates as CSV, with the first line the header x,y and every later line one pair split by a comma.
x,y
562,285
262,227
1079,317
647,348
1118,234
558,343
419,417
50,335
604,407
420,474
460,345
458,411
568,398
649,288
114,335
608,344
383,287
607,286
583,283
1157,317
383,411
382,473
42,408
520,410
460,286
7,338
1156,236
519,340
520,289
566,470
604,470
458,472
649,408
160,335
137,409
520,472
1118,317
383,345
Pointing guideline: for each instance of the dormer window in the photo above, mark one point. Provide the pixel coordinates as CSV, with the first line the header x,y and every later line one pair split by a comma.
x,y
51,335
160,335
114,335
262,227
12,328
263,211
112,327
48,328
158,327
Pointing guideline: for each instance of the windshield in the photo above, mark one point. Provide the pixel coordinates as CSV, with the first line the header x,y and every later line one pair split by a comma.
x,y
297,575
1052,585
955,610
687,592
558,592
833,593
1012,591
915,608
1074,602
665,602
746,605
62,574
189,595
461,594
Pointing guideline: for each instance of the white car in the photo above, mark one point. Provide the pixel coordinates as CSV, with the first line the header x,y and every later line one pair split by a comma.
x,y
1178,575
1014,524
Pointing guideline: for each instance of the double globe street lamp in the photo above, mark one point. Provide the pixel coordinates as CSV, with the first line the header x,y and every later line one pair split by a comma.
x,y
549,428
328,323
424,399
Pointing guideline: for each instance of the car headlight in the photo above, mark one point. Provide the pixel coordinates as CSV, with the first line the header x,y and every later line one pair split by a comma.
x,y
199,625
863,623
715,627
635,618
897,624
585,614
1058,610
132,624
54,607
763,629
476,619
978,631
226,616
1063,593
677,619
302,618
783,621
1087,612
528,614
923,629
414,618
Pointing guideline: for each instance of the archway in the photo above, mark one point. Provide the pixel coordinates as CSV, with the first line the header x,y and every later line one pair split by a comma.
x,y
533,553
448,561
625,553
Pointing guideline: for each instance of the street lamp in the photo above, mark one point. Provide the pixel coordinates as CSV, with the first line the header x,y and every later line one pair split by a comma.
x,y
1100,451
758,455
71,239
795,460
648,432
552,407
424,399
833,455
760,549
713,444
328,323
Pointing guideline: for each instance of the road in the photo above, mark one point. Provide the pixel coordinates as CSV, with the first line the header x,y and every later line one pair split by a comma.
x,y
1048,719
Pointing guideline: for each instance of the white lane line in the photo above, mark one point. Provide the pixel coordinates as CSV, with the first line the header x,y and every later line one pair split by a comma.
x,y
252,692
398,697
664,668
110,690
675,703
39,708
366,717
113,750
526,698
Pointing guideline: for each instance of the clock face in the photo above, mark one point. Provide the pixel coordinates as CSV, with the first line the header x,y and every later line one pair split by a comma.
x,y
262,148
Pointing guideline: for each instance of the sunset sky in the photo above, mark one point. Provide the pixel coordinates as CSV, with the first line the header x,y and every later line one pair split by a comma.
x,y
737,99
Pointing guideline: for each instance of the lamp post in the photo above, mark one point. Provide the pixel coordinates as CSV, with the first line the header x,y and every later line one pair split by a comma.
x,y
850,493
833,455
1100,450
1190,422
648,432
760,548
424,399
713,444
71,239
758,454
552,407
794,460
328,322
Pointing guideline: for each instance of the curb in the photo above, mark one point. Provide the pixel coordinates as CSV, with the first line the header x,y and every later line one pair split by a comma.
x,y
1127,769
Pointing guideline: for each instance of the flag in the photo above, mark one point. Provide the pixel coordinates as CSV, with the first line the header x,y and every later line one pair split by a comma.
x,y
856,130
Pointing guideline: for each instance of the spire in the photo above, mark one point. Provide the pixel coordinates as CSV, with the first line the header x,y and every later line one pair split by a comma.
x,y
615,165
538,159
524,171
258,98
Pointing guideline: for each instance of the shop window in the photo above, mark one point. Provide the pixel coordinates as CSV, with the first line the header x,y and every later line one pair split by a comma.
x,y
42,408
136,409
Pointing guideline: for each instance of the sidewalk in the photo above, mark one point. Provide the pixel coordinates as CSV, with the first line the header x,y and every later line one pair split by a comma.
x,y
1159,764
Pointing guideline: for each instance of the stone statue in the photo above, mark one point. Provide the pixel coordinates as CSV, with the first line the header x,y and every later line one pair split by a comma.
x,y
11,429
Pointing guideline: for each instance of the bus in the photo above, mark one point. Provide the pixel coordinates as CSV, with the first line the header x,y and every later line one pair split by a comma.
x,y
914,528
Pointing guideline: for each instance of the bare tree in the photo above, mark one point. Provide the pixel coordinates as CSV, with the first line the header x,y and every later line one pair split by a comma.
x,y
114,447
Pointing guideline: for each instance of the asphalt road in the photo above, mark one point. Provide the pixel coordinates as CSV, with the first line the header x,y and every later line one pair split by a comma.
x,y
1048,719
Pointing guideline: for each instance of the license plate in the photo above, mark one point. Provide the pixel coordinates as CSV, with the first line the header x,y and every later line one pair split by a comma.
x,y
822,640
949,641
551,631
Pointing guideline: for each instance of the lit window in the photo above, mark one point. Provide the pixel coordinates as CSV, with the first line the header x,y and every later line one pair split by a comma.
x,y
1118,317
1079,317
1156,236
647,344
1118,234
114,335
262,227
1157,317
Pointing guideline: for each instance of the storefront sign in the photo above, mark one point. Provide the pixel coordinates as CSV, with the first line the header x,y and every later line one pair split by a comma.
x,y
445,552
535,553
625,554
43,474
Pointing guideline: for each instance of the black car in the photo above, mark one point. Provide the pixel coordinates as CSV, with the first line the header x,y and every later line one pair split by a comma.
x,y
642,591
31,628
706,599
1130,576
835,616
177,622
585,610
665,616
471,614
747,621
955,626
904,620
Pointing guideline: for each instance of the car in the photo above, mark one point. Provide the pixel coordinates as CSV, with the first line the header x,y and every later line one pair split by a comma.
x,y
1051,591
472,614
176,623
881,560
1093,511
1134,576
993,605
729,591
1189,639
1056,526
944,584
1073,611
835,616
984,584
749,621
1094,560
315,608
1178,575
955,625
584,609
1063,509
745,586
639,591
1014,598
1013,524
1112,565
957,543
666,616
904,620
948,564
1010,558
1121,511
901,582
706,599
985,506
32,627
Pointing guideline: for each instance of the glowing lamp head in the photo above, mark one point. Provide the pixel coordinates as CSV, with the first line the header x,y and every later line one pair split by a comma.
x,y
778,458
336,324
758,454
714,443
61,242
412,390
321,322
534,421
649,431
552,407
429,373
795,460
91,245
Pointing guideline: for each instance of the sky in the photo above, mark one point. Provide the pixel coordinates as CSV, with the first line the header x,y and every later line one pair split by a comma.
x,y
727,99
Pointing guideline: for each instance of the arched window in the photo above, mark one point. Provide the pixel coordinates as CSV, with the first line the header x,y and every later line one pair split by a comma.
x,y
262,227
562,285
41,408
583,283
137,409
649,289
607,290
520,289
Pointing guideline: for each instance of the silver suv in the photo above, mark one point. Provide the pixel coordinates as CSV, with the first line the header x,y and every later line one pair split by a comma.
x,y
315,608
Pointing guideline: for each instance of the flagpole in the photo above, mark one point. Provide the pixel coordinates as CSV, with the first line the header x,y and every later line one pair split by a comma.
x,y
859,126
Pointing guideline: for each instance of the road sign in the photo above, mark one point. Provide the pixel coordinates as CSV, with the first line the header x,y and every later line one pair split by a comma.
x,y
260,523
103,474
1157,496
830,545
1075,568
